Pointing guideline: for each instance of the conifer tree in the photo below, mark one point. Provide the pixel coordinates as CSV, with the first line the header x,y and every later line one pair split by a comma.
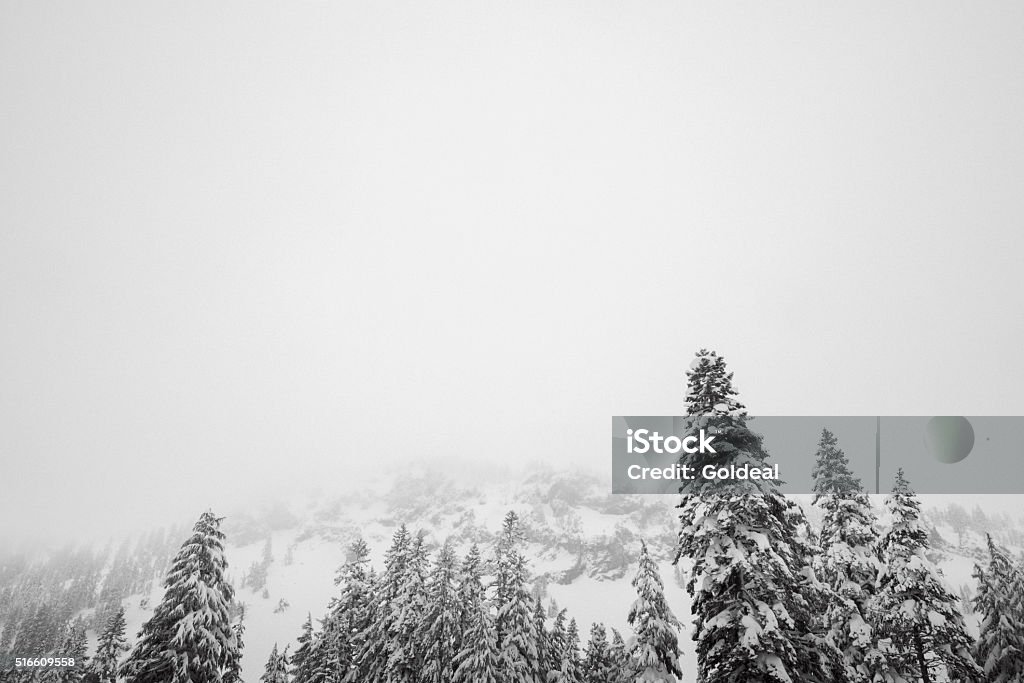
x,y
320,663
388,648
546,654
332,655
189,638
917,613
471,586
233,674
515,625
598,665
750,616
848,562
508,541
408,648
622,666
276,670
300,669
655,648
571,653
439,630
518,646
478,660
73,645
817,657
1000,605
110,648
560,668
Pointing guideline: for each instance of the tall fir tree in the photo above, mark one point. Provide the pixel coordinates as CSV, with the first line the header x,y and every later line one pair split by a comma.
x,y
73,644
189,638
110,648
516,629
388,647
478,660
654,650
408,648
233,673
348,617
561,667
598,664
546,654
471,590
571,654
439,629
301,672
917,613
276,670
848,562
622,666
518,645
817,657
509,538
1000,605
750,617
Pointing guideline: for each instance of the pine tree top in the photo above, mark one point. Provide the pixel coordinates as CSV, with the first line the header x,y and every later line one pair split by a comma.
x,y
709,388
831,473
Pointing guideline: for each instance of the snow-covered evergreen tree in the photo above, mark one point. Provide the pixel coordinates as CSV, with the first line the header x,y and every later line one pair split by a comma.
x,y
598,665
439,630
654,650
407,647
1000,605
331,656
389,646
622,666
110,648
746,578
916,613
478,660
72,644
233,673
517,635
320,664
189,638
817,657
546,655
276,670
571,662
508,540
848,562
301,671
562,666
518,646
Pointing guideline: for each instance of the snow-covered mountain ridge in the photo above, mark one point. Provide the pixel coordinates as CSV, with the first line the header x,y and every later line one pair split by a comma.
x,y
582,543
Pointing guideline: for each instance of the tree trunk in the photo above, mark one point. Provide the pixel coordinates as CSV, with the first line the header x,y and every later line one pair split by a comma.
x,y
919,646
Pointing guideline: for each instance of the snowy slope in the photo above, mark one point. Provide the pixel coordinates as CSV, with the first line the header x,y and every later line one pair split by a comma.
x,y
582,544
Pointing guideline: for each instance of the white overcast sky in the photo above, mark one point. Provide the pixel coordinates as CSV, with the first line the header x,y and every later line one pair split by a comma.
x,y
245,245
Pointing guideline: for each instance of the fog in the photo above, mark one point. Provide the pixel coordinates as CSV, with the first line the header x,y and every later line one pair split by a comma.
x,y
249,248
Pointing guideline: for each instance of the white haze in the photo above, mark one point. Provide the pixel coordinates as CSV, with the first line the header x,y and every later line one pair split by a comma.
x,y
247,247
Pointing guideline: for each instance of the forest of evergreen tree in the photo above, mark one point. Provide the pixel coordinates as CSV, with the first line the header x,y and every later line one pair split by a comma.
x,y
775,598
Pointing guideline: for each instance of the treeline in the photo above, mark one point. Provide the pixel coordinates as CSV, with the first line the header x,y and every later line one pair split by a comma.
x,y
42,602
420,620
423,620
1001,526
